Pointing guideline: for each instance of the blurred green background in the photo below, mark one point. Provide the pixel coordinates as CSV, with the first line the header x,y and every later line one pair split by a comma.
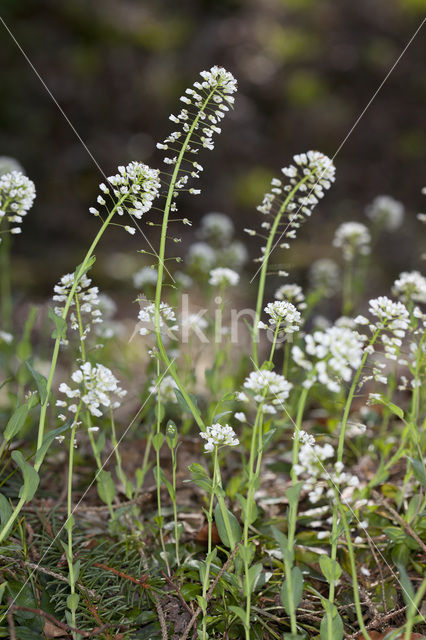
x,y
306,70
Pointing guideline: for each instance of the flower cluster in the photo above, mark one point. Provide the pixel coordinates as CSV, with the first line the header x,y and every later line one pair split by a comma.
x,y
353,238
292,293
390,326
410,287
386,212
165,389
219,435
133,189
17,193
319,476
324,276
267,388
146,316
304,185
284,317
217,87
145,276
85,301
201,257
330,356
310,175
96,388
216,228
223,277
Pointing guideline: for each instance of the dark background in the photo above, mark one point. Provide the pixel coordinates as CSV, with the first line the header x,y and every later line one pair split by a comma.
x,y
306,70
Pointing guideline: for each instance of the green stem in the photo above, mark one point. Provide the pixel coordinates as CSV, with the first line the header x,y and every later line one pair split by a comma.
x,y
354,576
175,518
264,268
6,296
293,506
81,270
158,477
161,256
69,524
347,304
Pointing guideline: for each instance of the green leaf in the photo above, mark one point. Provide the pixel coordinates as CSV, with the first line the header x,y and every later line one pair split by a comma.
x,y
253,575
330,569
60,325
419,471
106,487
293,493
5,509
72,601
336,627
291,597
407,588
390,405
47,441
17,420
182,402
224,519
30,475
171,435
239,612
40,381
158,441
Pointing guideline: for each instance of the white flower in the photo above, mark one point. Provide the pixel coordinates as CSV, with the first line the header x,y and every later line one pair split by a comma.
x,y
308,178
201,257
17,193
216,227
235,255
324,275
219,436
410,286
135,186
8,164
284,316
240,416
6,337
130,230
205,104
353,238
167,319
330,356
386,212
88,302
221,276
97,388
164,389
145,276
267,387
292,293
392,316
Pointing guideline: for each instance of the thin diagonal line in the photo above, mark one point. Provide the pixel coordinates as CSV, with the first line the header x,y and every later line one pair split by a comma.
x,y
345,139
96,163
336,488
157,386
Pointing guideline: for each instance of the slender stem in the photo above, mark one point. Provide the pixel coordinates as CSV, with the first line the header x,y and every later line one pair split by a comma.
x,y
347,302
340,448
293,506
158,477
71,294
354,575
6,296
175,517
70,555
264,268
206,580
